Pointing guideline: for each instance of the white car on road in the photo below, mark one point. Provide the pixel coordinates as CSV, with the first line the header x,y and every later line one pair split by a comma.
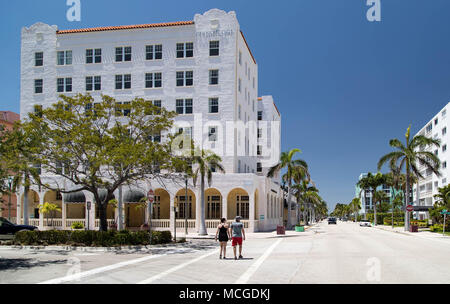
x,y
364,223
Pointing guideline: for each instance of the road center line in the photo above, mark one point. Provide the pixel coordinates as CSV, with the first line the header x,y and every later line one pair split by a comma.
x,y
176,268
79,276
254,267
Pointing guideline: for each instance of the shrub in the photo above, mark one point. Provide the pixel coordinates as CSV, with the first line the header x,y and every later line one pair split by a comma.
x,y
77,225
91,238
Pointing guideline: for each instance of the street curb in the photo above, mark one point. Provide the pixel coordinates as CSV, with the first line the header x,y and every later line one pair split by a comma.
x,y
399,232
81,249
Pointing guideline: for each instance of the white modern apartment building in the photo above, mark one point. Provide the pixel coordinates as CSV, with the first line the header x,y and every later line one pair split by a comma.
x,y
427,187
202,69
366,195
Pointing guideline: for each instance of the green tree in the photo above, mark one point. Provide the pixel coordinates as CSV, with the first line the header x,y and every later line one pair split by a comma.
x,y
49,209
364,184
378,197
408,156
355,206
20,148
291,165
98,147
206,163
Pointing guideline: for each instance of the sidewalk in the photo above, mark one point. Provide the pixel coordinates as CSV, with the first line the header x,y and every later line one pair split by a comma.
x,y
422,234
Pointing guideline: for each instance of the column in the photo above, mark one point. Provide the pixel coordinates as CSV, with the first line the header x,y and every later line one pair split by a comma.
x,y
252,212
41,215
225,207
119,211
172,214
197,210
19,208
64,213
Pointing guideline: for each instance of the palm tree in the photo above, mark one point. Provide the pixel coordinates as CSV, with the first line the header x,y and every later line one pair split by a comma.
x,y
303,184
363,184
287,162
355,206
409,155
50,209
207,162
395,180
378,197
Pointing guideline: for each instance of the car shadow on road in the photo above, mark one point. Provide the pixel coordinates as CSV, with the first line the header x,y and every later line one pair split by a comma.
x,y
18,264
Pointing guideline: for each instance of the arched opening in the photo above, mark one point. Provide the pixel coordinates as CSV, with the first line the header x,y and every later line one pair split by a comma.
x,y
238,204
33,205
213,208
110,209
161,206
75,204
9,206
186,207
54,198
134,208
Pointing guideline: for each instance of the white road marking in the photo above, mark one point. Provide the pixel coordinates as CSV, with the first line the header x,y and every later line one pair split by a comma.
x,y
176,268
91,272
254,267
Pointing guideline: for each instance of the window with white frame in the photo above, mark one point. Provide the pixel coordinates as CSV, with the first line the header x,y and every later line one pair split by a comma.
x,y
444,131
123,53
239,85
444,148
38,86
260,132
185,78
153,80
214,48
184,106
259,150
240,58
213,77
259,167
93,83
64,57
64,85
93,56
185,50
212,134
153,52
239,111
39,59
123,109
123,82
429,128
260,115
214,105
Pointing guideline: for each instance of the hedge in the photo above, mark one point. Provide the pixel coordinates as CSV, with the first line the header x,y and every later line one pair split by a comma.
x,y
91,238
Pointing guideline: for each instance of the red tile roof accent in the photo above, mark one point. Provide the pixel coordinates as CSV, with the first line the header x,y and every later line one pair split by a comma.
x,y
125,27
248,47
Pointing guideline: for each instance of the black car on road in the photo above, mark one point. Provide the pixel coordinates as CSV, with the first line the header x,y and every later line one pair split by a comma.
x,y
6,227
332,220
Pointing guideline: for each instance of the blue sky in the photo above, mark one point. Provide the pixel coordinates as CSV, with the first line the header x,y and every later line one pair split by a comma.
x,y
344,86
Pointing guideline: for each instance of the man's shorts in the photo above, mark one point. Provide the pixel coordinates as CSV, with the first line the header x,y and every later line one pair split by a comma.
x,y
237,241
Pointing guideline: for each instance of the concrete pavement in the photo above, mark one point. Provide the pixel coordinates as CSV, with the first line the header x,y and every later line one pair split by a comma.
x,y
345,253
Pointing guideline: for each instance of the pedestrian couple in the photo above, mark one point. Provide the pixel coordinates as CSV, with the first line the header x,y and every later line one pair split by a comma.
x,y
235,232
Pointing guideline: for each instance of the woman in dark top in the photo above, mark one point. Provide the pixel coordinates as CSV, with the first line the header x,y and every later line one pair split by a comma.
x,y
223,236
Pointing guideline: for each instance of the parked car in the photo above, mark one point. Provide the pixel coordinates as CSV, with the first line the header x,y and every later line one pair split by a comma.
x,y
6,227
365,223
332,220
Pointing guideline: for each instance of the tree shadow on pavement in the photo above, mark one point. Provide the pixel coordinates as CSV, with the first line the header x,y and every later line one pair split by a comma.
x,y
18,264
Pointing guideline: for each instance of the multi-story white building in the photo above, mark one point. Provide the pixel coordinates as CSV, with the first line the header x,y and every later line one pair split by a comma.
x,y
202,69
427,187
366,195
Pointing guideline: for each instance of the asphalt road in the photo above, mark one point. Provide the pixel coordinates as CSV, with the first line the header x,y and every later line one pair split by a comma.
x,y
345,253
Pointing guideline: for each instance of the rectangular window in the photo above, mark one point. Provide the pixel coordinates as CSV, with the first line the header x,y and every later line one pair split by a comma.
x,y
259,167
185,50
260,133
123,82
444,131
185,79
213,105
153,80
436,122
259,150
444,148
38,86
239,111
260,115
213,77
429,128
93,83
153,52
123,54
240,58
240,85
38,110
93,56
64,58
212,134
39,59
214,48
64,85
184,106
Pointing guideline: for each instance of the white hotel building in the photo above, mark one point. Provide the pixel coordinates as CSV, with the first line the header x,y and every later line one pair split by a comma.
x,y
202,69
424,192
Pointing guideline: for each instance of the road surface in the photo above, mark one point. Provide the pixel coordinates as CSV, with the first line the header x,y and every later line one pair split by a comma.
x,y
343,253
